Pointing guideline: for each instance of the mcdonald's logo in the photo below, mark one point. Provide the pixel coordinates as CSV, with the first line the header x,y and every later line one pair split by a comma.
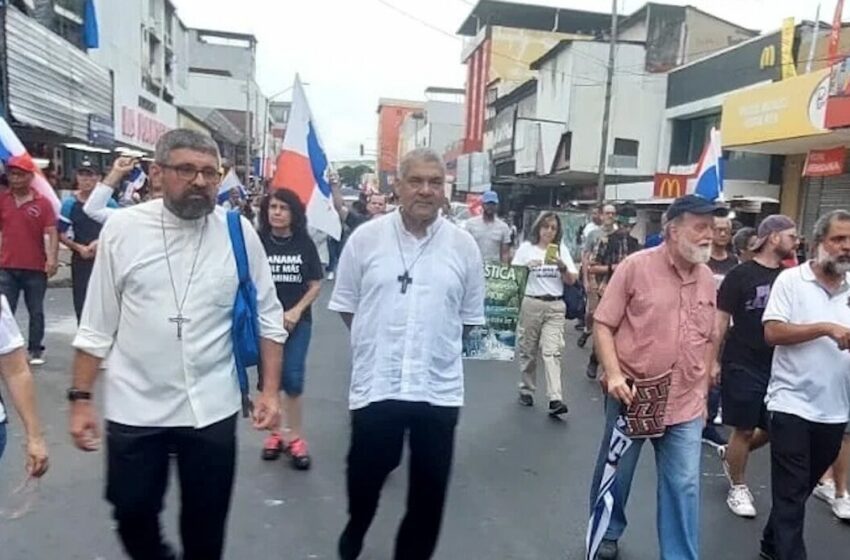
x,y
768,57
669,186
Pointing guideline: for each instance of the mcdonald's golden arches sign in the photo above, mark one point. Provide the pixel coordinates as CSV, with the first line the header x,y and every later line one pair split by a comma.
x,y
669,186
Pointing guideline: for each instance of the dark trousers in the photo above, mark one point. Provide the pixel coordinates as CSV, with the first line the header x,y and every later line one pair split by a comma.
x,y
377,439
800,452
137,475
34,285
334,251
80,274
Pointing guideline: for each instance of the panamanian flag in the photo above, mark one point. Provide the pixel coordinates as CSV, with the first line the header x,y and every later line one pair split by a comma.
x,y
709,180
302,166
10,146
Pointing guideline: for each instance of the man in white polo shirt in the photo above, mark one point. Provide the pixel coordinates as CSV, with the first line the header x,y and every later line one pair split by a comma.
x,y
808,320
409,283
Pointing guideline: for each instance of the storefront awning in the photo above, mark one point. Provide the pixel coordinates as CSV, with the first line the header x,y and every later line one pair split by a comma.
x,y
52,85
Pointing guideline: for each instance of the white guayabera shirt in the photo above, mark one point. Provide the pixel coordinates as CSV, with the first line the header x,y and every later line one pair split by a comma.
x,y
407,346
154,379
10,338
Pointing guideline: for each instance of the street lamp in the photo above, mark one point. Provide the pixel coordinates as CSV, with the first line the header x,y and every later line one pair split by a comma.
x,y
266,120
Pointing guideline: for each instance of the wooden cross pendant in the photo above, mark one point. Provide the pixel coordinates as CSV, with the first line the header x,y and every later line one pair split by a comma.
x,y
405,280
179,320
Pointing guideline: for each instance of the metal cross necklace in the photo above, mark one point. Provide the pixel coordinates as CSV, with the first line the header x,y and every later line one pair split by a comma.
x,y
179,319
406,279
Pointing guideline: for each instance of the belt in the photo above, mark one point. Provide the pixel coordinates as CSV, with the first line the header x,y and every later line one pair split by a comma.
x,y
546,298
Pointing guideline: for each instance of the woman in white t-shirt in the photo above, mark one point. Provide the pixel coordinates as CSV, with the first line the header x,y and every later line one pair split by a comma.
x,y
542,316
18,378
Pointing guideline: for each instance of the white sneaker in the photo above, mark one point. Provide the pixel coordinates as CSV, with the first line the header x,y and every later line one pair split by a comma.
x,y
740,501
841,507
825,491
331,276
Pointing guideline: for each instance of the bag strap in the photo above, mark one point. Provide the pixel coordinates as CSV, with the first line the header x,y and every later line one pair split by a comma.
x,y
237,239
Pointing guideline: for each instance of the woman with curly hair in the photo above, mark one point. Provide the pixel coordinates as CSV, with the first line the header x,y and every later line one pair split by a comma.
x,y
297,274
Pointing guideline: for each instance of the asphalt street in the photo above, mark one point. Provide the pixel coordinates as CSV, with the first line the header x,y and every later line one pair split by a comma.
x,y
519,488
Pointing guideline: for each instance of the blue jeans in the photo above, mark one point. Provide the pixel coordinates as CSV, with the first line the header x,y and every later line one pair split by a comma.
x,y
677,457
2,438
295,358
34,286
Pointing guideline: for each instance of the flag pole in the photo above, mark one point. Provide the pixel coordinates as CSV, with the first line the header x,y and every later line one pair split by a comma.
x,y
814,42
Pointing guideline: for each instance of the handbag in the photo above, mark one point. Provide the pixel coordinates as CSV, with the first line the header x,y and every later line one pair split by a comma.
x,y
645,416
575,300
245,330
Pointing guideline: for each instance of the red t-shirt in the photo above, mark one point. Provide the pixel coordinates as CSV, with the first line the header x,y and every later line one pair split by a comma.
x,y
23,231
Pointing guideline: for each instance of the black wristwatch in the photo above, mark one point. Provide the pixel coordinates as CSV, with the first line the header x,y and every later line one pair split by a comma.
x,y
78,395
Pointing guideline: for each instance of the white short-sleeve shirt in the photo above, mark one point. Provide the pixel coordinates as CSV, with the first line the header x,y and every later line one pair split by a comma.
x,y
543,279
810,380
10,338
407,346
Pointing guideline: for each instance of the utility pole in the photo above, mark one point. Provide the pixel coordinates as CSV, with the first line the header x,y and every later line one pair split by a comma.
x,y
606,112
248,136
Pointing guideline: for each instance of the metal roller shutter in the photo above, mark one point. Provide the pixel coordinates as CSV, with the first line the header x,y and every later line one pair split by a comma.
x,y
824,195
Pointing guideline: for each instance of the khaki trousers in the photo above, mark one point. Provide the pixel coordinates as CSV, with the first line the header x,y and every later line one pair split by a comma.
x,y
541,330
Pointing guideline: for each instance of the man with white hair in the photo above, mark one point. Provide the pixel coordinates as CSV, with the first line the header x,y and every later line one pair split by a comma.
x,y
807,319
661,339
409,285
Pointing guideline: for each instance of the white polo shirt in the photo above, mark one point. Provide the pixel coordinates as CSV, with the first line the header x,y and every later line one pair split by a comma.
x,y
810,380
407,346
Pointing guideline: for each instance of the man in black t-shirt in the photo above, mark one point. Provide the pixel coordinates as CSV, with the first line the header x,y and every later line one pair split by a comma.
x,y
746,360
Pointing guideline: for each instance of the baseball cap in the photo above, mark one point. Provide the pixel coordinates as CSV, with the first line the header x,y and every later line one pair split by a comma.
x,y
22,162
490,197
693,204
86,165
772,224
627,215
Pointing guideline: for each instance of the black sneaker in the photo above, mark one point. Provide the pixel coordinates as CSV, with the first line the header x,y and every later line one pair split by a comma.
x,y
608,550
526,399
557,408
592,368
37,358
582,340
712,436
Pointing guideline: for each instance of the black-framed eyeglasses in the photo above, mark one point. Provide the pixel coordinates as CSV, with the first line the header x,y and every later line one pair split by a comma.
x,y
187,172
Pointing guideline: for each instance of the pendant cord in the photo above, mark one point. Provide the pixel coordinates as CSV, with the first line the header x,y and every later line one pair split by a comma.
x,y
179,305
421,251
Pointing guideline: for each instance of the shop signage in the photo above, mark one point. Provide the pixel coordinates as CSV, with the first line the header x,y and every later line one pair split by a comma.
x,y
825,163
101,131
138,126
667,185
838,105
792,108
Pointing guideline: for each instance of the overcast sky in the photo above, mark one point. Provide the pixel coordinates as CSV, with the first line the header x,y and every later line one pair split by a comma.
x,y
353,52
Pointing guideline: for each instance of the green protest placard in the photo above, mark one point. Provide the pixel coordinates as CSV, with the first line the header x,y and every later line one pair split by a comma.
x,y
505,286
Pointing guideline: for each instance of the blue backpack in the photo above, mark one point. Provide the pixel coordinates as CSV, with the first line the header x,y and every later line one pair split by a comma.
x,y
246,329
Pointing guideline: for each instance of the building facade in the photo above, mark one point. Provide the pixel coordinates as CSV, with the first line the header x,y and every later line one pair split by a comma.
x,y
391,115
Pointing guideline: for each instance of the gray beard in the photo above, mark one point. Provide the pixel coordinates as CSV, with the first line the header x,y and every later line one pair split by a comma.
x,y
189,209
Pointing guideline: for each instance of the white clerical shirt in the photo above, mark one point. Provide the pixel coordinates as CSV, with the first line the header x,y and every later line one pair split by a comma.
x,y
407,346
154,379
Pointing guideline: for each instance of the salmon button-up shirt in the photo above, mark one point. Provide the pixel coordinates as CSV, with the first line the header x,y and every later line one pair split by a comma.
x,y
663,320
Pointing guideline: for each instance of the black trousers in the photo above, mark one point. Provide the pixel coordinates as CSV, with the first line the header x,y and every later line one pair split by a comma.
x,y
34,285
80,273
137,476
800,452
377,439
